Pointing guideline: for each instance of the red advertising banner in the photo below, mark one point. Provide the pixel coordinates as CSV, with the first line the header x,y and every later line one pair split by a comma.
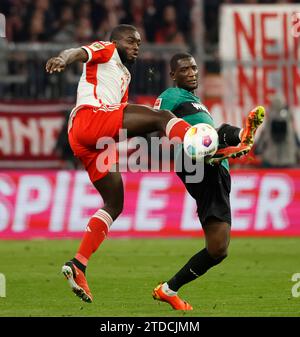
x,y
55,204
28,134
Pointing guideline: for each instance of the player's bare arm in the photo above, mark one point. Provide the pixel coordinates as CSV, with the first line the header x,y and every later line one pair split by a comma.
x,y
67,56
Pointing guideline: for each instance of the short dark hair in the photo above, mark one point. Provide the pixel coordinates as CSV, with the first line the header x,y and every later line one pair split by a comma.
x,y
175,58
116,33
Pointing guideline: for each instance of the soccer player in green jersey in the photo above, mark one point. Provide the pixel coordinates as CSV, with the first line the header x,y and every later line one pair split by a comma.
x,y
212,193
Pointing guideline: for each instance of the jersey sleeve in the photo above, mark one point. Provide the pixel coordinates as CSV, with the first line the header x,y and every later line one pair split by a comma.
x,y
167,100
163,103
99,51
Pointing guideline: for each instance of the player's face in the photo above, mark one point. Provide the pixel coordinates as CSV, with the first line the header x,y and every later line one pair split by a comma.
x,y
128,46
186,74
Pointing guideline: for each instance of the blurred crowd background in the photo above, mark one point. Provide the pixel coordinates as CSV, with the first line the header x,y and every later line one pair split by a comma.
x,y
158,21
38,29
82,21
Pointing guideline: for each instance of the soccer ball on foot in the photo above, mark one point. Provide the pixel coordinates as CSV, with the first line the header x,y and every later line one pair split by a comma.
x,y
201,141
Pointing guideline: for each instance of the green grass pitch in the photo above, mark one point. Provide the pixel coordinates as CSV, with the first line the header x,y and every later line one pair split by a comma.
x,y
255,279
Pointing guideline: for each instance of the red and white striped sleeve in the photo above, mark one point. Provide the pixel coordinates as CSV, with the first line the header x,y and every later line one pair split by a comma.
x,y
99,51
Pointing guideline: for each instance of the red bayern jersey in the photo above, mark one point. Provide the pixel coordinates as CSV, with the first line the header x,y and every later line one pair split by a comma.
x,y
104,78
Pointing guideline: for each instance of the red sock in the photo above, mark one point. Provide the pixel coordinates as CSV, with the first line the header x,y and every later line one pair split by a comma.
x,y
177,127
96,232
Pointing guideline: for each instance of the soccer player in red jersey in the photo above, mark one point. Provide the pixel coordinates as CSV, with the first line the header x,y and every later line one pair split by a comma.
x,y
101,111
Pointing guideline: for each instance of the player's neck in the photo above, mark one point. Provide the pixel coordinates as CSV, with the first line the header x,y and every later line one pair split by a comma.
x,y
191,91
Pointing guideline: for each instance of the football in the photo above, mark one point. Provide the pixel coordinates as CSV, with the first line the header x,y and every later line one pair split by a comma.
x,y
201,141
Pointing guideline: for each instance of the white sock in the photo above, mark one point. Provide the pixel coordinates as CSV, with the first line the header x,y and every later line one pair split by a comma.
x,y
165,288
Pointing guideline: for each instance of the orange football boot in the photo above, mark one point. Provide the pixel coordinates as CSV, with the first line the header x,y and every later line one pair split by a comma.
x,y
77,281
254,119
229,152
175,301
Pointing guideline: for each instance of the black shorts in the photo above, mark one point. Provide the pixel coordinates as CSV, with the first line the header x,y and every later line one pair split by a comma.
x,y
212,193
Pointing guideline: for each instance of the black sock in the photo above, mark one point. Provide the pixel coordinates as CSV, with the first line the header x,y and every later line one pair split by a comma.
x,y
79,265
229,135
195,267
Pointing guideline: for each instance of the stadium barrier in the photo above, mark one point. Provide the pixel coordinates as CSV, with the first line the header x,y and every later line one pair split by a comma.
x,y
58,204
23,75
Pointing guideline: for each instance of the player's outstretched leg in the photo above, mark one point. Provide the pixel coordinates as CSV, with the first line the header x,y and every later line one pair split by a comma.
x,y
254,119
139,120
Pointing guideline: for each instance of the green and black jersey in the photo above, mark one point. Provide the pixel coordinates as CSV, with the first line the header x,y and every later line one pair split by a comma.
x,y
187,106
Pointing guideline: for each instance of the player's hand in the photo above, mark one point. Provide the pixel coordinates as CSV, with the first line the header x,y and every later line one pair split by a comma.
x,y
55,64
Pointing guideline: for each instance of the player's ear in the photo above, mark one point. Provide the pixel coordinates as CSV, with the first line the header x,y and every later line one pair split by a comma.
x,y
172,74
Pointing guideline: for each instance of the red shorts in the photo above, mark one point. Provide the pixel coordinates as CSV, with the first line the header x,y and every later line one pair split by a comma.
x,y
89,125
